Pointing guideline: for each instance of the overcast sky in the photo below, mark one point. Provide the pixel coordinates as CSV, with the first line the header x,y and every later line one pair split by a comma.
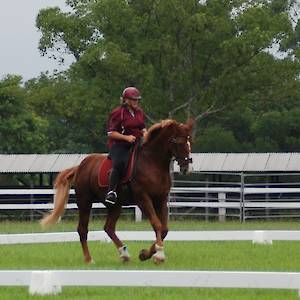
x,y
19,38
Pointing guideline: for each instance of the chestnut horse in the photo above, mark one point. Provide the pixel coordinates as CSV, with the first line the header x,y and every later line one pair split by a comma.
x,y
149,187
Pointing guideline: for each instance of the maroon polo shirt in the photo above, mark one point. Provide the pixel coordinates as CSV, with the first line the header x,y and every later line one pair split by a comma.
x,y
122,121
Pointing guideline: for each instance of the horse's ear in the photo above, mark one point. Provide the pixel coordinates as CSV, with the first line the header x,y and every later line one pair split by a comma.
x,y
190,123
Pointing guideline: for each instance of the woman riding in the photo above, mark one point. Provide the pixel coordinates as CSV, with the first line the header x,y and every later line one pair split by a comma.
x,y
126,126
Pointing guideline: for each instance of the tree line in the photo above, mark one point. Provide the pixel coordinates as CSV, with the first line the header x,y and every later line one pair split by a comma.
x,y
232,65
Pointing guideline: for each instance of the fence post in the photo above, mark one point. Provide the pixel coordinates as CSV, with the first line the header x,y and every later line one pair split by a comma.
x,y
138,214
172,183
242,200
206,198
43,283
31,198
222,210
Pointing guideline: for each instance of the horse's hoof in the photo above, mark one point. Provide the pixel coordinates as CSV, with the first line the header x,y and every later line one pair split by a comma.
x,y
124,254
158,260
125,259
89,261
144,255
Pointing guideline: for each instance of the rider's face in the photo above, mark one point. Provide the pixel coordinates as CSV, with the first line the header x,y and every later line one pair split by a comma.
x,y
132,103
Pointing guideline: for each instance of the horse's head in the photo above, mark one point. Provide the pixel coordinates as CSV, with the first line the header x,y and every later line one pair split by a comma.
x,y
175,138
181,145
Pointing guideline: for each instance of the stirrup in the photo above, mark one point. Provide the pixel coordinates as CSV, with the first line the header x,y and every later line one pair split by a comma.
x,y
111,198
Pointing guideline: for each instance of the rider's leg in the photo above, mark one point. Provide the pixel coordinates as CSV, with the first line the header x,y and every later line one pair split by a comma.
x,y
119,155
114,180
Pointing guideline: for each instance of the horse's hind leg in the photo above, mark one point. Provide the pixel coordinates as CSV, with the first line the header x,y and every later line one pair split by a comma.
x,y
82,229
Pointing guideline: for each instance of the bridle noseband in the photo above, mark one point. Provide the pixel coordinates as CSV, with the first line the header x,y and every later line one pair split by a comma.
x,y
181,140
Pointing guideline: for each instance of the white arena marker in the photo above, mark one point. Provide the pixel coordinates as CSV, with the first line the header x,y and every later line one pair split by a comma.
x,y
259,237
42,283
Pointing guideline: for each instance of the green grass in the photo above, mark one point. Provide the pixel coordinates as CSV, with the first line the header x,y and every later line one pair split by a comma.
x,y
233,256
95,224
281,256
121,293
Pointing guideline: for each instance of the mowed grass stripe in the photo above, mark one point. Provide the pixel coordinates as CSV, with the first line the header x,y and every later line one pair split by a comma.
x,y
147,293
281,256
8,226
245,256
233,256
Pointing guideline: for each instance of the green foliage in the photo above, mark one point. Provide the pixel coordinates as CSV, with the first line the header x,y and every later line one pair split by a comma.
x,y
74,113
21,130
217,139
278,130
189,58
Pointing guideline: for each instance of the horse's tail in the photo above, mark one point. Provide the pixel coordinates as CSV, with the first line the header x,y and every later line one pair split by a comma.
x,y
62,184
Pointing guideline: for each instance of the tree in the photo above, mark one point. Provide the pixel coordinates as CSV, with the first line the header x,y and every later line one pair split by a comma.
x,y
73,112
281,130
21,130
189,58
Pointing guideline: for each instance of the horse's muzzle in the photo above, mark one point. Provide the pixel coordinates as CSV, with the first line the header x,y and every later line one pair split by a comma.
x,y
184,165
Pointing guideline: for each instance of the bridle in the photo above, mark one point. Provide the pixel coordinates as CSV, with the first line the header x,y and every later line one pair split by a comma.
x,y
176,143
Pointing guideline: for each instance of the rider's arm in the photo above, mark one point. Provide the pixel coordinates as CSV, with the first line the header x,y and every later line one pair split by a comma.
x,y
118,136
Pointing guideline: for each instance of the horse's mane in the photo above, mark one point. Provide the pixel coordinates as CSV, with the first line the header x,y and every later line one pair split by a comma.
x,y
155,129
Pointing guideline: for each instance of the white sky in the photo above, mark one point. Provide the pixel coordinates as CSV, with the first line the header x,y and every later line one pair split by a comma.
x,y
19,39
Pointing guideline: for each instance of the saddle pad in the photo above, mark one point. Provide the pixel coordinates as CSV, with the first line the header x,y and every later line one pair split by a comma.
x,y
106,166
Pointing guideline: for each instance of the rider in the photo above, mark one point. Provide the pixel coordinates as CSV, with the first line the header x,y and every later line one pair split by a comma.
x,y
126,125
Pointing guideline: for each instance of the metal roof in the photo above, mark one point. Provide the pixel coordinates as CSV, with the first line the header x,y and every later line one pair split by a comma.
x,y
294,162
245,162
256,162
42,163
234,161
209,162
38,163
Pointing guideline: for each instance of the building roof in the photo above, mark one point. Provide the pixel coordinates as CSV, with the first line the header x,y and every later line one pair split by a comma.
x,y
38,163
205,162
245,162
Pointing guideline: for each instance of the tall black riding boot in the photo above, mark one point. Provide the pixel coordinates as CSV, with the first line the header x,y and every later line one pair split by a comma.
x,y
111,197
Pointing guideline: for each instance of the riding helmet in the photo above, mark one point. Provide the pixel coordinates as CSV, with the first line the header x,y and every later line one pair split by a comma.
x,y
131,93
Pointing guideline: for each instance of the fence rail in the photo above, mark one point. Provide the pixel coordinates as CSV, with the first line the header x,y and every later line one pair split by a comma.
x,y
50,282
219,198
256,236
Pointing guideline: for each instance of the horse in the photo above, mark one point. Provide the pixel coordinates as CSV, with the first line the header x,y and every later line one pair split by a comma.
x,y
149,187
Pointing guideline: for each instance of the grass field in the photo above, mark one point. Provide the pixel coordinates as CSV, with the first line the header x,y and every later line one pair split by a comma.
x,y
233,256
97,224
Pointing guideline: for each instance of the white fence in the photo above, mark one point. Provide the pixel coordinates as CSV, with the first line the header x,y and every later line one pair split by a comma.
x,y
52,281
47,206
47,282
222,203
245,199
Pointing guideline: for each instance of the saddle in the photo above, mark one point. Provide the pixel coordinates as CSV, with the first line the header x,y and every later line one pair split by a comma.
x,y
106,166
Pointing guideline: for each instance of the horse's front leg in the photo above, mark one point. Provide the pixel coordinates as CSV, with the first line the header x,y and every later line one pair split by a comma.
x,y
156,250
110,228
161,209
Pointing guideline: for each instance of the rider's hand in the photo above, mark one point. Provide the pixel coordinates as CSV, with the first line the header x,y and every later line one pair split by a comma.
x,y
130,138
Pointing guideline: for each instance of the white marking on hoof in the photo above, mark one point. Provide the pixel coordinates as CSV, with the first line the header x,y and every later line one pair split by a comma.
x,y
124,254
159,257
90,262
